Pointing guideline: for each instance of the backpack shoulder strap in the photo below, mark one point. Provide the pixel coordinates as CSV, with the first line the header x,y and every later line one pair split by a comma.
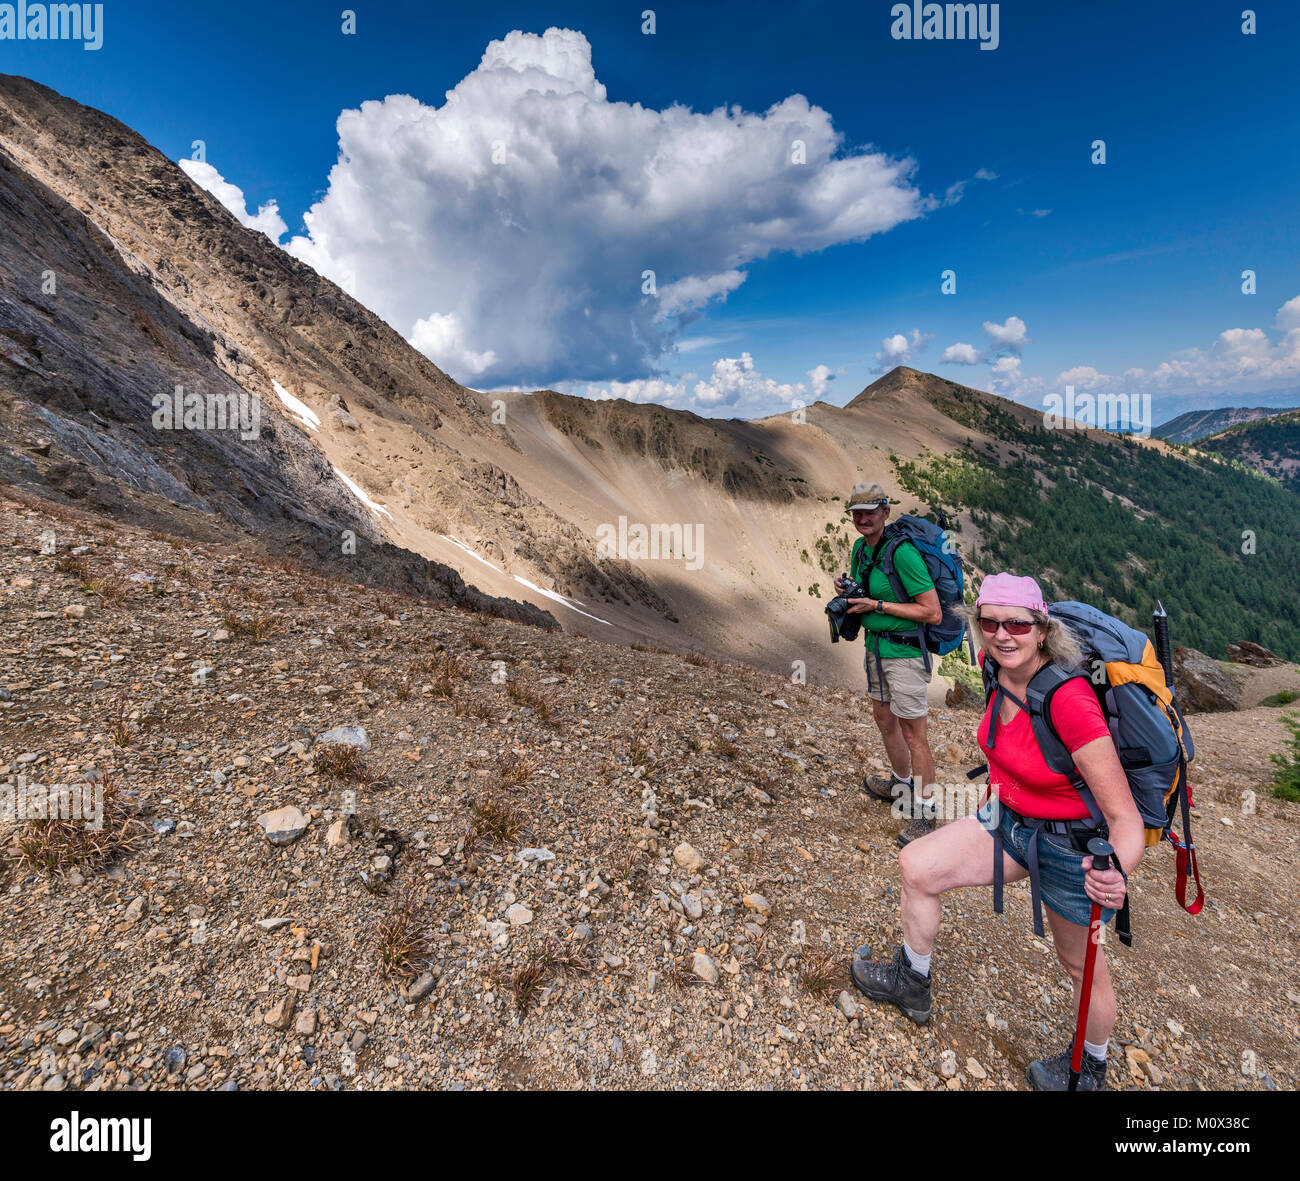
x,y
1055,753
885,560
855,557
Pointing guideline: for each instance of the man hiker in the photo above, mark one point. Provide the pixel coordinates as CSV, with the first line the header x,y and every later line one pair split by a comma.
x,y
897,676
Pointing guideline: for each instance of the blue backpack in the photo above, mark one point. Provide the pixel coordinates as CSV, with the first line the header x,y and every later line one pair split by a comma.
x,y
944,567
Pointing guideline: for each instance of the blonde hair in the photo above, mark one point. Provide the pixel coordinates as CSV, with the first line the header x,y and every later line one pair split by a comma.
x,y
1059,643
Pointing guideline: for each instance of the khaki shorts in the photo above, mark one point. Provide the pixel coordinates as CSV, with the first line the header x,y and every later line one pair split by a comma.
x,y
905,683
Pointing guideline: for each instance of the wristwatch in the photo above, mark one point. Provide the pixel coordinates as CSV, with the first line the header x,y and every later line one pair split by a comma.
x,y
880,606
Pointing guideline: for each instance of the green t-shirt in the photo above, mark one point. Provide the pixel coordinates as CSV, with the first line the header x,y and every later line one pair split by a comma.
x,y
916,580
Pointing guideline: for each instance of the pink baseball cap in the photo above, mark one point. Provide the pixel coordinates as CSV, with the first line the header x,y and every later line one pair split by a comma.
x,y
1009,590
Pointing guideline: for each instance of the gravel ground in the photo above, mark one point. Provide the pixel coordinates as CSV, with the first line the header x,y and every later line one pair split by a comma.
x,y
557,864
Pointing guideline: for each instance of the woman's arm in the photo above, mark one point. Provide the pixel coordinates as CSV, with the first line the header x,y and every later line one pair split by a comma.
x,y
1098,763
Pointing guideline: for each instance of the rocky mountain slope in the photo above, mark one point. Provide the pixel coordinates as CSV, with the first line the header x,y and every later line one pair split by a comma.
x,y
558,862
1271,446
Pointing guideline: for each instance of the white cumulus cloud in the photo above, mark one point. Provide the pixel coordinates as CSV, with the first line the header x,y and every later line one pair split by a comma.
x,y
529,207
820,378
444,336
1012,336
267,218
1242,359
734,388
1288,315
1084,377
900,349
961,354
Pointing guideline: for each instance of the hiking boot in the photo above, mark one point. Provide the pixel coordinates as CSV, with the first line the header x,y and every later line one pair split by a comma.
x,y
921,827
895,982
1053,1074
884,788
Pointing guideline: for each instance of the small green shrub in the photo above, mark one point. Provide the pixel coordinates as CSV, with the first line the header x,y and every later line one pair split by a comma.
x,y
1286,780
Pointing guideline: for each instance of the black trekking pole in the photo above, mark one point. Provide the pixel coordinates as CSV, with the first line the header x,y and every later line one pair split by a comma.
x,y
1101,855
1160,625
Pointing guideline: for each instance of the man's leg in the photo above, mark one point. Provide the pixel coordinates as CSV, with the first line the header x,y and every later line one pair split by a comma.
x,y
918,745
891,734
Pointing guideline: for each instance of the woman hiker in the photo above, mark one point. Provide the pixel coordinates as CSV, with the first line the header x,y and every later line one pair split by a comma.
x,y
1026,803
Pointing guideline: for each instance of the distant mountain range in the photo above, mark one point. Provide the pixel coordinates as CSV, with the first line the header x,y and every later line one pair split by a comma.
x,y
1196,424
121,280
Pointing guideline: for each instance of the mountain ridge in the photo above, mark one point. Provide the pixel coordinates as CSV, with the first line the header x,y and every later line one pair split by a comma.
x,y
508,492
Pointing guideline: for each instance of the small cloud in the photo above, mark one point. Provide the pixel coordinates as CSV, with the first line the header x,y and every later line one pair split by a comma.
x,y
735,387
900,349
821,377
692,344
957,188
1083,377
1288,315
961,354
1011,336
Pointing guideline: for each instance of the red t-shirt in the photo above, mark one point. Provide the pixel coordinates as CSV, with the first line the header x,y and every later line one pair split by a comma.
x,y
1017,770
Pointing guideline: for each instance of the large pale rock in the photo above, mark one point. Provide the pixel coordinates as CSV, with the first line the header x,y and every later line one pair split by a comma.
x,y
705,968
284,825
688,858
347,736
1203,685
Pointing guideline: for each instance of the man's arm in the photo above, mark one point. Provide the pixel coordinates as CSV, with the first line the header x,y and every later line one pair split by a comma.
x,y
924,608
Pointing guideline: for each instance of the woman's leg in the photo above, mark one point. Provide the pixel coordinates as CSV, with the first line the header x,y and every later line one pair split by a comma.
x,y
1071,942
959,854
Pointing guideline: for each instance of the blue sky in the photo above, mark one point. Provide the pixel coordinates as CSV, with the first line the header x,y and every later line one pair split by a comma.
x,y
1126,275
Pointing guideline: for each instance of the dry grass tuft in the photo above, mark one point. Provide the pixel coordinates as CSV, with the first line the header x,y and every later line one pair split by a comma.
x,y
78,566
537,702
256,628
475,709
111,588
543,963
121,723
56,845
515,769
823,974
497,819
339,760
405,936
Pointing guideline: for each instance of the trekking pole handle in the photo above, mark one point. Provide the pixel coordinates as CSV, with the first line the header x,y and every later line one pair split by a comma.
x,y
1160,625
1101,854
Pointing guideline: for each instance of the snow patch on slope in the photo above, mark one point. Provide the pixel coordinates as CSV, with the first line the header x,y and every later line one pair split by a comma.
x,y
300,410
356,491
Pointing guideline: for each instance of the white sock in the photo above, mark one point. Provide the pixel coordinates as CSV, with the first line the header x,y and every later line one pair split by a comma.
x,y
1095,1051
920,963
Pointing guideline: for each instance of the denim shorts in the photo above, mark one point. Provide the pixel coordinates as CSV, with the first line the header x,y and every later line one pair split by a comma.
x,y
1060,866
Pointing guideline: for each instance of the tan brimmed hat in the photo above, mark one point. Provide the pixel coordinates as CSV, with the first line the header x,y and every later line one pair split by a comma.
x,y
866,496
